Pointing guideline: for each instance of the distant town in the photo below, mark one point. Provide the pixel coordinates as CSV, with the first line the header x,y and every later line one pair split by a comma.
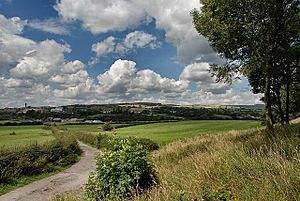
x,y
127,112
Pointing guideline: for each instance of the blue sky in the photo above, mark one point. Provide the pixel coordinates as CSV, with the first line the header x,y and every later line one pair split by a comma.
x,y
89,51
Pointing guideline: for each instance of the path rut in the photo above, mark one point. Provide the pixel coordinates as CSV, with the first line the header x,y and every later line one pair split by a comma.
x,y
71,179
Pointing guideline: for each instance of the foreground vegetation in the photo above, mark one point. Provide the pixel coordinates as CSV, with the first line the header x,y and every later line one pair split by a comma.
x,y
239,165
124,169
251,165
18,164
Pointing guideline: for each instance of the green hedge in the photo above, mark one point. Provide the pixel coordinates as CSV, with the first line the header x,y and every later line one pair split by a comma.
x,y
37,158
21,123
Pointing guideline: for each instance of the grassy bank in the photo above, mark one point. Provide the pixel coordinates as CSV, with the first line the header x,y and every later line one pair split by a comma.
x,y
250,165
242,165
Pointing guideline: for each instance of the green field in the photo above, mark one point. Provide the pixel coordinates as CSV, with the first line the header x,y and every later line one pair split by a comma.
x,y
164,133
23,135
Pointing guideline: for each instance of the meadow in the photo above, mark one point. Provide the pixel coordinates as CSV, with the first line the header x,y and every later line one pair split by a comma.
x,y
23,135
237,165
199,158
164,133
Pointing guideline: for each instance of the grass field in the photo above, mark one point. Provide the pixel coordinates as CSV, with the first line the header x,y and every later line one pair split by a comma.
x,y
164,133
23,135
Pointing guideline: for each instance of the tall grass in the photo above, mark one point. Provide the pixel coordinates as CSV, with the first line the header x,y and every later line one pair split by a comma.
x,y
252,165
247,165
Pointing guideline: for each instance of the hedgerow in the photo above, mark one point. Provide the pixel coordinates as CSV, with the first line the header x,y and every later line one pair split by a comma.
x,y
37,158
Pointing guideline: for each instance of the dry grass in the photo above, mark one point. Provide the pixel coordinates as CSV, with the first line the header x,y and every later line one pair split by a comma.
x,y
248,163
252,164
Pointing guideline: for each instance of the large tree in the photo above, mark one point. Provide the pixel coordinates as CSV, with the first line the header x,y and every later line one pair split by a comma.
x,y
258,38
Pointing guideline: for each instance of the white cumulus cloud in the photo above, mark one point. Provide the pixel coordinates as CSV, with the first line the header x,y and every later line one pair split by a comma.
x,y
39,73
45,61
199,73
132,41
124,78
102,16
171,16
104,47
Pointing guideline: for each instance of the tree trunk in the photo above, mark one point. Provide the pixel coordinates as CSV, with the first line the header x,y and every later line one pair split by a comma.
x,y
287,103
282,118
267,98
279,104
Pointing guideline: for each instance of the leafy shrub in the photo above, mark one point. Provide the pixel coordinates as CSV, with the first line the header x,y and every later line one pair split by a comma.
x,y
34,159
107,127
121,173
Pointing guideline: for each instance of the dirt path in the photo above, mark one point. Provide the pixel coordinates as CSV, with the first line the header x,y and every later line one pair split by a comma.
x,y
71,179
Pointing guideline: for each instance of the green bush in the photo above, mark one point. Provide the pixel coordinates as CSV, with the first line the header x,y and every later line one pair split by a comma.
x,y
107,127
34,159
121,173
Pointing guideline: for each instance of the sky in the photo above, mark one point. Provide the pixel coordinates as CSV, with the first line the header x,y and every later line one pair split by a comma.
x,y
59,52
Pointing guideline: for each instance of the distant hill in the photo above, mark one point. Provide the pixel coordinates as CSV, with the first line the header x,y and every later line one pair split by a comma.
x,y
254,107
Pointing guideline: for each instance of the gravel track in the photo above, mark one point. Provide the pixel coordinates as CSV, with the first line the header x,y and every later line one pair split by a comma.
x,y
71,179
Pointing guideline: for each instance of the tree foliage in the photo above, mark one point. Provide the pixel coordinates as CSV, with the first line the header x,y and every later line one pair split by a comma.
x,y
260,40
